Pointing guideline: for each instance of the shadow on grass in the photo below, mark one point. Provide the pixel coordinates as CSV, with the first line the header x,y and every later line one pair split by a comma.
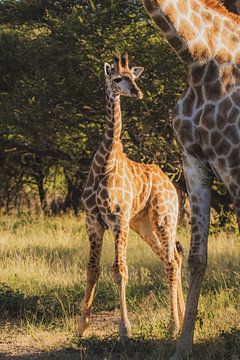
x,y
13,302
55,304
224,347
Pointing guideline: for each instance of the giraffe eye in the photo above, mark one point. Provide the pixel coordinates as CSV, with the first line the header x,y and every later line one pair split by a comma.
x,y
117,80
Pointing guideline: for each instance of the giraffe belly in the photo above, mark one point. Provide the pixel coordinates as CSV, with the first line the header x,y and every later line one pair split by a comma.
x,y
219,138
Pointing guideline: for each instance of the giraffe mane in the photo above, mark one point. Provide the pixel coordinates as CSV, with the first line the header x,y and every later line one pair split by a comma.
x,y
221,9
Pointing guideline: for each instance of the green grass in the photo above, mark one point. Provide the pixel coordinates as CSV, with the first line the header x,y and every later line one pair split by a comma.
x,y
42,280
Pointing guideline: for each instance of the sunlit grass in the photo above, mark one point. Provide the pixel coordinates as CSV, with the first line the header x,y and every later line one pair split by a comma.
x,y
42,280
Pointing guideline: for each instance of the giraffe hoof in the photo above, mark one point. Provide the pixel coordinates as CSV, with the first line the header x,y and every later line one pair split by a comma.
x,y
125,331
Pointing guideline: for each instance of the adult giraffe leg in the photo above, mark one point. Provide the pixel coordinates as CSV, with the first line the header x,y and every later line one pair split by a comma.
x,y
121,232
199,181
95,232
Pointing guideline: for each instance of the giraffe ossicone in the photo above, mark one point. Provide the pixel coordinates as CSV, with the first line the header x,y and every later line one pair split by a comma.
x,y
206,120
121,194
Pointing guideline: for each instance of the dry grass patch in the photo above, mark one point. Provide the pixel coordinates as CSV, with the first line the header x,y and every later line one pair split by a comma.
x,y
42,280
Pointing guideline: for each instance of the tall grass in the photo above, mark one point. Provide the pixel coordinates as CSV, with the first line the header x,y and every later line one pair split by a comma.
x,y
42,280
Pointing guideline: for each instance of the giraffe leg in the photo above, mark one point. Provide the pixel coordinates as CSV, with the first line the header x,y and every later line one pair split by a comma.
x,y
121,275
95,232
199,189
173,272
156,239
163,216
180,298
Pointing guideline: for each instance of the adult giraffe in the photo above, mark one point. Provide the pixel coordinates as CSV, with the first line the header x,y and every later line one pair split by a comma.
x,y
206,121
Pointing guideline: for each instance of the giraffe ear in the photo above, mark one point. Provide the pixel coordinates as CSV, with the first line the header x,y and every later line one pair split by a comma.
x,y
107,69
137,71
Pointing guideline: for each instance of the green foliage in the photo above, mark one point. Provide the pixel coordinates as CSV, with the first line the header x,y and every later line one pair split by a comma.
x,y
52,106
52,87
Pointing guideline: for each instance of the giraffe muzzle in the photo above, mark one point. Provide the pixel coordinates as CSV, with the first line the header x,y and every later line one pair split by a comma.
x,y
137,93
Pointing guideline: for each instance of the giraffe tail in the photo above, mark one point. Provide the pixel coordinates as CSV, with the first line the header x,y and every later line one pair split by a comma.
x,y
180,248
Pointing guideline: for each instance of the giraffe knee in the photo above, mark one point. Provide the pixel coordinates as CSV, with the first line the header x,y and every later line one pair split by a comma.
x,y
120,274
93,274
172,268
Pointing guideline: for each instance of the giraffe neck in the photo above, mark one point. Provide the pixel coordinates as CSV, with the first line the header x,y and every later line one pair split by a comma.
x,y
195,29
113,119
110,147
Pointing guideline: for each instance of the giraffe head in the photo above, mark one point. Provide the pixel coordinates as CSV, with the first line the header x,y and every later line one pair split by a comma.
x,y
120,80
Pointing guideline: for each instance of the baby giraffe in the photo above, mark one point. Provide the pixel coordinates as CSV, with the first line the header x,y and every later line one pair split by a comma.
x,y
120,194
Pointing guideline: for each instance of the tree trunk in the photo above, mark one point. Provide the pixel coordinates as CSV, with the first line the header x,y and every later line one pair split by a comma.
x,y
42,194
73,197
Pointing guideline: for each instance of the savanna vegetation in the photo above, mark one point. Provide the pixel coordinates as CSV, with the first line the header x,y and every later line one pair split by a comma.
x,y
42,277
51,121
52,98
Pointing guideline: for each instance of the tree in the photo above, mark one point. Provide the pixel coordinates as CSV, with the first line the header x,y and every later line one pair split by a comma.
x,y
52,91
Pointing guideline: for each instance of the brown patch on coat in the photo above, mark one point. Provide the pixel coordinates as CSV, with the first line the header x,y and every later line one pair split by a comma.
x,y
188,104
176,43
197,73
171,12
186,30
202,135
212,71
182,7
232,134
162,23
224,56
206,16
233,115
225,105
214,90
149,5
185,131
223,147
199,51
215,138
196,19
207,118
234,157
